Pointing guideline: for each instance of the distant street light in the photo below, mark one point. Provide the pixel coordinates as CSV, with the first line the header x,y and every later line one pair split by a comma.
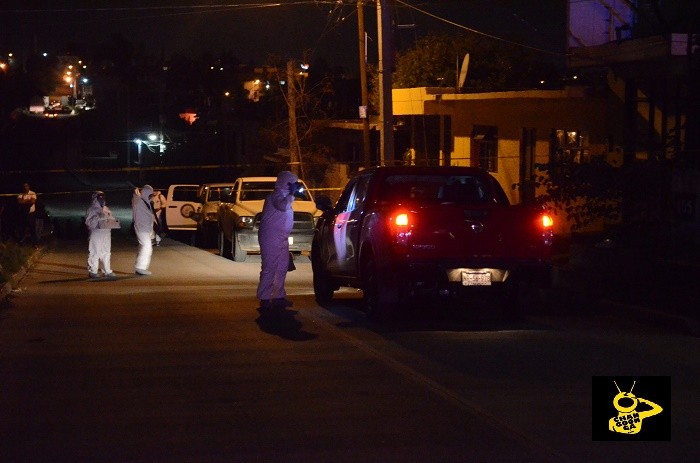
x,y
156,143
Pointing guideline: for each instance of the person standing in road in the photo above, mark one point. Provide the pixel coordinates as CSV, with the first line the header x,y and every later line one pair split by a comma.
x,y
27,215
159,205
142,209
100,223
275,226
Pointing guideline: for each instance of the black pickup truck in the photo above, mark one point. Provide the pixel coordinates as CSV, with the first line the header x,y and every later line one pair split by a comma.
x,y
404,234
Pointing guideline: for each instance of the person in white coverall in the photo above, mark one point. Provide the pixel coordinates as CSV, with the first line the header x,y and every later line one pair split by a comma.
x,y
100,222
142,210
275,225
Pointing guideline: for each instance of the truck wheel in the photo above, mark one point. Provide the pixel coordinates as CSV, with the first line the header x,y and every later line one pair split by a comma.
x,y
239,255
224,245
379,302
323,284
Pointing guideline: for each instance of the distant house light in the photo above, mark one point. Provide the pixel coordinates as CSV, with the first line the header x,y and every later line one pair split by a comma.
x,y
189,116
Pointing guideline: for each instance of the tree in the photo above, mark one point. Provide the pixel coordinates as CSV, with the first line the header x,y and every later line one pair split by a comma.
x,y
584,192
493,65
304,107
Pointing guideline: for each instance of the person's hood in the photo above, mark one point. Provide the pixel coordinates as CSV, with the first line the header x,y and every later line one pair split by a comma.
x,y
95,201
284,178
146,192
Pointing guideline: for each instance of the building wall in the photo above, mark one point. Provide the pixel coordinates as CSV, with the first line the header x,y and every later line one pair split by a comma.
x,y
510,112
511,116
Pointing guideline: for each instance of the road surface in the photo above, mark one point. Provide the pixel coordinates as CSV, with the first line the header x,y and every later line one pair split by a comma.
x,y
182,366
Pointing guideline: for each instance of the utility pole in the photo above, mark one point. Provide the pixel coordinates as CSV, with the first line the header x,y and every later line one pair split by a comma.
x,y
386,114
362,43
294,154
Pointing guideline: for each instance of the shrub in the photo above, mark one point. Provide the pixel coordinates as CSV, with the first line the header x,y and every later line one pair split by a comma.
x,y
12,258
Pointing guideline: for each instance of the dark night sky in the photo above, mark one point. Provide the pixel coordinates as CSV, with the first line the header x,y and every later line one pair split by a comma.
x,y
253,29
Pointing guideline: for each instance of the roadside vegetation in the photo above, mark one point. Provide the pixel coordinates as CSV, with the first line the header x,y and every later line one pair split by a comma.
x,y
12,258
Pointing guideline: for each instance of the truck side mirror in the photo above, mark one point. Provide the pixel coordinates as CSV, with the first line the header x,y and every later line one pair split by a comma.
x,y
323,203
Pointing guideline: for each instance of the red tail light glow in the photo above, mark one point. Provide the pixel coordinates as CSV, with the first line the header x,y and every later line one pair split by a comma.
x,y
547,221
401,220
401,224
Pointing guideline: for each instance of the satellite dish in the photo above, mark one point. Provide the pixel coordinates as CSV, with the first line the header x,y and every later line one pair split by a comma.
x,y
463,71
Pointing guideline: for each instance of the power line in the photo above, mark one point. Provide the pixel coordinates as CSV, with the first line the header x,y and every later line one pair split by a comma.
x,y
215,7
475,31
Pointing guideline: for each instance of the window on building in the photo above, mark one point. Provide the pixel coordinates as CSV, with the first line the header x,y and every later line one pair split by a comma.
x,y
484,147
569,146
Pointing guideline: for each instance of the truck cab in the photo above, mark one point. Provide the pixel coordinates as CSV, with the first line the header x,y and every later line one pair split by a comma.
x,y
239,218
210,196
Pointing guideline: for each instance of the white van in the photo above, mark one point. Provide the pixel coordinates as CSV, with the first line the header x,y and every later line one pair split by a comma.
x,y
183,207
195,208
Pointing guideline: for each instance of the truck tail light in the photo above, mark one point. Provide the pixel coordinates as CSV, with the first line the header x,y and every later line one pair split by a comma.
x,y
401,220
401,224
547,221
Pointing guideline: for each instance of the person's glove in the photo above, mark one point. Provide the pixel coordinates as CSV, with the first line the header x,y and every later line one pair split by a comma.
x,y
296,189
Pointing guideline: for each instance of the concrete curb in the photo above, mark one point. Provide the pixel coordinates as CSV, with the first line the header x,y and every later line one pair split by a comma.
x,y
7,287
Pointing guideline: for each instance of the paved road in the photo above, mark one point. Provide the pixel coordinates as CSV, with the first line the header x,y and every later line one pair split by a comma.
x,y
181,366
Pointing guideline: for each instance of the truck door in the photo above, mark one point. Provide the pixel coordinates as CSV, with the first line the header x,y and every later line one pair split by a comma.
x,y
182,203
347,227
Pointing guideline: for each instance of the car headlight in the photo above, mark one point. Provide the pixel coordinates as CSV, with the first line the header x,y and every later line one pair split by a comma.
x,y
245,222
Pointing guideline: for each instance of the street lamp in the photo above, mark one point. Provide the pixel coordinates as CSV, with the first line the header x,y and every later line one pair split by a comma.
x,y
155,142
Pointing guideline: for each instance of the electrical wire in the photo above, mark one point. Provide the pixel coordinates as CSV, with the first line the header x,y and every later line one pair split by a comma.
x,y
478,32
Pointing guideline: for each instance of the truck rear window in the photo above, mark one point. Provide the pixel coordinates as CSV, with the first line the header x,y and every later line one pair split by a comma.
x,y
463,189
256,191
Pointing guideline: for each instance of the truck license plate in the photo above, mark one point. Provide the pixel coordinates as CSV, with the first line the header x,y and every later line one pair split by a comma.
x,y
476,278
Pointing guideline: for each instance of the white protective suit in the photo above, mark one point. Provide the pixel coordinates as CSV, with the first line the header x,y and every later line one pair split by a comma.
x,y
275,225
141,208
100,222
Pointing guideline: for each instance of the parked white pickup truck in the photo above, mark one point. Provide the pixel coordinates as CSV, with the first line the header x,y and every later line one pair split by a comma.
x,y
239,218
